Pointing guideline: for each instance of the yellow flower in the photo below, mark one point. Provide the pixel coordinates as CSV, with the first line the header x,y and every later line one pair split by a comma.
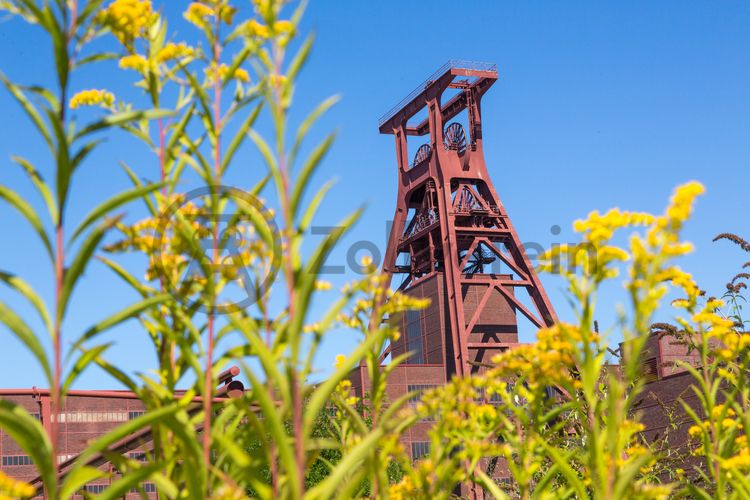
x,y
283,26
223,70
197,13
135,62
323,285
92,97
253,28
12,488
278,80
340,360
174,51
128,19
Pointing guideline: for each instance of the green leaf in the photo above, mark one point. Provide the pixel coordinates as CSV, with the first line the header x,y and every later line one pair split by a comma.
x,y
28,292
79,264
40,185
114,202
487,483
132,479
29,434
240,136
308,123
83,153
312,163
103,443
23,333
77,479
119,317
30,110
126,276
24,208
83,361
178,131
300,58
102,56
122,118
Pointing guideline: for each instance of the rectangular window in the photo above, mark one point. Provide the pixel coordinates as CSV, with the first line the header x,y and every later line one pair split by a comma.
x,y
420,449
650,370
419,389
135,414
414,340
138,455
94,488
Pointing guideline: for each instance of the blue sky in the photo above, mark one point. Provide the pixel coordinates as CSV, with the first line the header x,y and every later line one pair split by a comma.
x,y
599,104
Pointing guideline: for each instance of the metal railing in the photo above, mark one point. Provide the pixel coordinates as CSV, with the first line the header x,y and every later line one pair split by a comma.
x,y
452,64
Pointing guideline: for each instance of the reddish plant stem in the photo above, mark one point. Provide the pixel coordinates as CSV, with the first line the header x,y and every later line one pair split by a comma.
x,y
288,235
208,382
56,399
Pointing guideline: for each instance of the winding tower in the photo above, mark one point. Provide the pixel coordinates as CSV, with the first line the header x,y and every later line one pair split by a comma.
x,y
451,239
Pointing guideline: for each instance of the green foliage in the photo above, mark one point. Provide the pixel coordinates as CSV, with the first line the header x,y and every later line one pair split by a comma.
x,y
561,421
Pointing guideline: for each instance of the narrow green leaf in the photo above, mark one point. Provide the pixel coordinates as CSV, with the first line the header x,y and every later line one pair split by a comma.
x,y
22,287
114,202
240,136
129,312
77,479
118,119
79,264
308,122
29,434
30,110
27,211
23,333
83,361
41,186
308,169
101,56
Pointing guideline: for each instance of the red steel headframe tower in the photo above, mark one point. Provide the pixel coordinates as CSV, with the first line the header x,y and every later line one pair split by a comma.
x,y
449,222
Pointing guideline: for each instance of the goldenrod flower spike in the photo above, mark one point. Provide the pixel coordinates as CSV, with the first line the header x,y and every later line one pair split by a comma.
x,y
128,20
92,97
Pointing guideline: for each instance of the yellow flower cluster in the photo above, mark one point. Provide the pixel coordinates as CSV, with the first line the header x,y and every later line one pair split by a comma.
x,y
740,461
550,360
171,251
344,392
253,28
172,51
239,74
92,97
135,62
597,228
198,13
12,488
128,20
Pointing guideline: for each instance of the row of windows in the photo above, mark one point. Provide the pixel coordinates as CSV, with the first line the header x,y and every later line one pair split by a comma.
x,y
95,488
64,458
418,389
98,488
12,460
97,416
147,488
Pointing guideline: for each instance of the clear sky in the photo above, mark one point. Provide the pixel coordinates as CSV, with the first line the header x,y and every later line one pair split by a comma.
x,y
599,104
